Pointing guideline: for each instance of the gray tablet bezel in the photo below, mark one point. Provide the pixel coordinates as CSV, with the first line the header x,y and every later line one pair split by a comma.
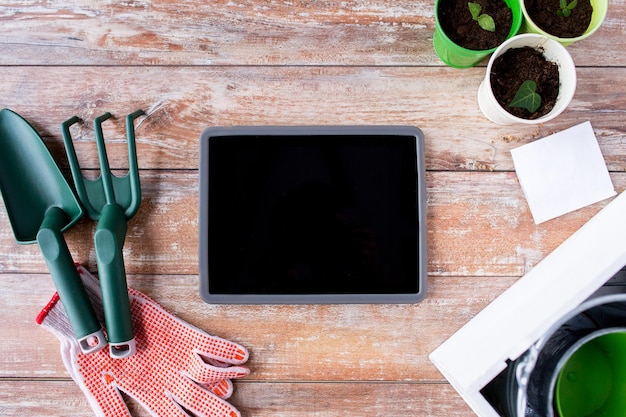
x,y
405,298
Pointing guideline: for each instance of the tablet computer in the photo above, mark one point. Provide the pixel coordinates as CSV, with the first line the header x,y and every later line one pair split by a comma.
x,y
332,214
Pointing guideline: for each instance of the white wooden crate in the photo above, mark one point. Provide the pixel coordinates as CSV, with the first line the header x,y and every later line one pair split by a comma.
x,y
506,328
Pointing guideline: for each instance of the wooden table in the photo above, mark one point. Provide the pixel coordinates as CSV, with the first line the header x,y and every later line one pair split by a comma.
x,y
195,64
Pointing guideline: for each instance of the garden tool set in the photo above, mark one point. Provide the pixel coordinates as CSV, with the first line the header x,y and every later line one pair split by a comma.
x,y
166,365
41,205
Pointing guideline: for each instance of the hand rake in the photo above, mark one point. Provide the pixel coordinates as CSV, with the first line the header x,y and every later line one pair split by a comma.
x,y
111,201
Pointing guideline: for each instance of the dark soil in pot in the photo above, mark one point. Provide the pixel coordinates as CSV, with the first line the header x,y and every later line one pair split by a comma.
x,y
457,22
516,65
545,14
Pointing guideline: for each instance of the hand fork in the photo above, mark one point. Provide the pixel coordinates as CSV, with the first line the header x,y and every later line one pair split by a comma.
x,y
111,201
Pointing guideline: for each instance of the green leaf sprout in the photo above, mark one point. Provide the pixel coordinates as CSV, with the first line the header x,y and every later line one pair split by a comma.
x,y
484,20
566,8
527,97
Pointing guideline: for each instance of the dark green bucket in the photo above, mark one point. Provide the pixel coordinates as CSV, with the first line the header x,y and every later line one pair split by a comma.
x,y
548,380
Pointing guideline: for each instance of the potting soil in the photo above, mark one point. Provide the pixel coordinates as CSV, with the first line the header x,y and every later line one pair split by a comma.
x,y
512,68
457,22
544,13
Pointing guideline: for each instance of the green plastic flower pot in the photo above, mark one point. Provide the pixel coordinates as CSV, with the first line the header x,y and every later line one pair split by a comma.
x,y
455,55
600,8
593,380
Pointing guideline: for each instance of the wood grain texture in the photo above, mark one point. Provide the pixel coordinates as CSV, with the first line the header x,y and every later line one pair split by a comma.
x,y
182,101
63,398
220,32
191,65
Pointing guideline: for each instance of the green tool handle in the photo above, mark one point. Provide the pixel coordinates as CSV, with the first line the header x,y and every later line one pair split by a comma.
x,y
109,240
71,291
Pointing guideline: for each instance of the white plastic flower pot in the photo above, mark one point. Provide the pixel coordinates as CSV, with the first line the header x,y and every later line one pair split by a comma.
x,y
552,51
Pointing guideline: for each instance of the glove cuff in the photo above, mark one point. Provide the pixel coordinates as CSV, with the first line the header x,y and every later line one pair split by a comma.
x,y
46,310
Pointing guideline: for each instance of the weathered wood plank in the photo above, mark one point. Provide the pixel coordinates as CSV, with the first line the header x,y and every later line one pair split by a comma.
x,y
263,33
184,101
338,400
286,343
63,398
478,225
474,231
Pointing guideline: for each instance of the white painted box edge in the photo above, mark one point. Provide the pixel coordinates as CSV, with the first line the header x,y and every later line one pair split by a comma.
x,y
508,326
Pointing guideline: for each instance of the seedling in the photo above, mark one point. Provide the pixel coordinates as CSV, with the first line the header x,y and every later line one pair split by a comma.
x,y
566,8
484,20
527,97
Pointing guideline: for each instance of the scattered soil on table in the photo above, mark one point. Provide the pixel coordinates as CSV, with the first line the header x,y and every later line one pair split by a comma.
x,y
544,14
457,22
512,68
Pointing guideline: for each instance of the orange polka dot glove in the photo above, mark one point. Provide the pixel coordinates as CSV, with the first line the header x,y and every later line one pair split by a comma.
x,y
178,370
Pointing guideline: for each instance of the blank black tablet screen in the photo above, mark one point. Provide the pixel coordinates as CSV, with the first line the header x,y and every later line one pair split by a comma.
x,y
312,215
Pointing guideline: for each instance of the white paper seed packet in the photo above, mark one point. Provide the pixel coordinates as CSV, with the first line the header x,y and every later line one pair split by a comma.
x,y
562,172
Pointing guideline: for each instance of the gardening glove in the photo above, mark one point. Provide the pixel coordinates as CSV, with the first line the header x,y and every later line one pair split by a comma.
x,y
178,370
